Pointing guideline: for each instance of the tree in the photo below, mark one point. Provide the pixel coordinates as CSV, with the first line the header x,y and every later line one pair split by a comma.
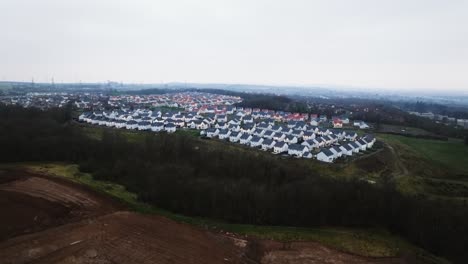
x,y
466,140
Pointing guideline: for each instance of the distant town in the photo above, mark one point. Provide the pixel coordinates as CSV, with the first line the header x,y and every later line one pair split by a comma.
x,y
299,135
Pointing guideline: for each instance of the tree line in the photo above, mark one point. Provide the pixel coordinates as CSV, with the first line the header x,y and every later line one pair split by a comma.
x,y
188,176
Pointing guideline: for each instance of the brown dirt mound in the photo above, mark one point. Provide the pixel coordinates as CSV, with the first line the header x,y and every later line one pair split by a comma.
x,y
81,226
273,252
24,214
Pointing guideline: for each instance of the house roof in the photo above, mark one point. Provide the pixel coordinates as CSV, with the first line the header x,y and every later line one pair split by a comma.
x,y
347,147
280,144
362,142
245,136
297,147
223,131
255,139
327,152
337,148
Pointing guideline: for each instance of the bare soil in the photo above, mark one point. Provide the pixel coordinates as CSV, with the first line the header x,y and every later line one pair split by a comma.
x,y
50,220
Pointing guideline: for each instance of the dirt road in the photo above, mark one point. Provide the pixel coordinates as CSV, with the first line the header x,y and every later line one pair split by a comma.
x,y
51,220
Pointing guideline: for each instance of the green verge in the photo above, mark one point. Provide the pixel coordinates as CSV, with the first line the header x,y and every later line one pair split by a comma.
x,y
363,242
451,154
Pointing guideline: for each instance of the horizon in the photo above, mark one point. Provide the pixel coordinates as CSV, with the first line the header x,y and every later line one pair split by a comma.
x,y
420,46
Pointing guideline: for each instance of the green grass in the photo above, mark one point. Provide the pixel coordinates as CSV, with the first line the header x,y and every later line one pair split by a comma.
x,y
364,242
452,154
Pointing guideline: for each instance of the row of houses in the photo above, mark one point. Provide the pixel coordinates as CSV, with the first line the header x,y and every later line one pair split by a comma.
x,y
326,148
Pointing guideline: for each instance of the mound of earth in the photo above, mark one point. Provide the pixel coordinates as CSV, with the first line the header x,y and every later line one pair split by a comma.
x,y
51,220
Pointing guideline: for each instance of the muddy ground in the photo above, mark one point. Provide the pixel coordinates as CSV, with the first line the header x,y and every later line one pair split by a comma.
x,y
51,220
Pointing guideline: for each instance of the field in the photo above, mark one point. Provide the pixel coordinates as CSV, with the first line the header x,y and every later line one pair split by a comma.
x,y
312,243
451,154
432,167
383,128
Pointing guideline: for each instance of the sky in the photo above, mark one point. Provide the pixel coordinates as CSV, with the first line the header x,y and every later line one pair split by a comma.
x,y
385,44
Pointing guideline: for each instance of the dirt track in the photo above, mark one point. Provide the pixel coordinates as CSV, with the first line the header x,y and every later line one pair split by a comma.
x,y
50,220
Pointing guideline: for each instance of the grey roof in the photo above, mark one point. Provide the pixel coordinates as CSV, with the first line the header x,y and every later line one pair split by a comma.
x,y
255,139
245,136
337,148
223,131
347,147
327,152
297,147
362,142
280,144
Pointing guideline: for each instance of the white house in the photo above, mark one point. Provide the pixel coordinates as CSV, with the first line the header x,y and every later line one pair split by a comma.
x,y
355,147
256,141
132,124
245,139
144,125
280,147
212,132
308,135
234,122
325,155
350,135
279,136
336,151
297,150
268,144
170,128
224,134
234,128
120,124
221,118
314,121
370,139
360,124
259,132
235,136
247,119
362,144
221,125
346,150
156,127
290,139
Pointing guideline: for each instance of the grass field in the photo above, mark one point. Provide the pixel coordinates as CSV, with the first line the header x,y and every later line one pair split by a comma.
x,y
364,242
451,154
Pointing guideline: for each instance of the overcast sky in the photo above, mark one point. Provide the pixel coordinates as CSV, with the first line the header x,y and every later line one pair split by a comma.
x,y
408,44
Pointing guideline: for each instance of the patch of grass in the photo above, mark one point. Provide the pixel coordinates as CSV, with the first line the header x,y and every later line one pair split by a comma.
x,y
451,154
364,242
189,132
